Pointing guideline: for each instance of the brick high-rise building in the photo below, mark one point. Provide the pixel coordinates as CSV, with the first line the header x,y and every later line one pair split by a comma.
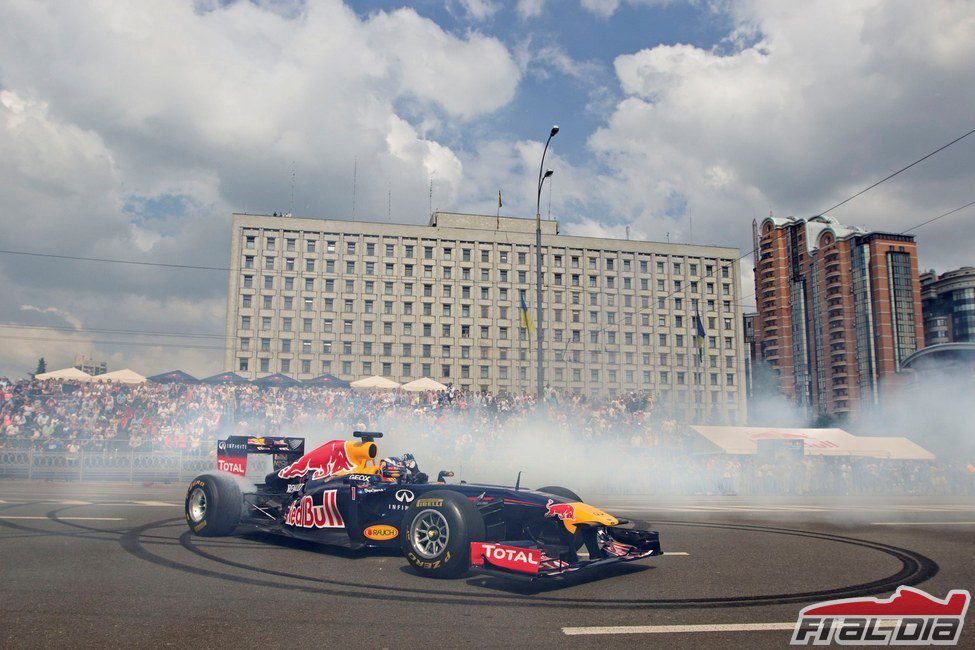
x,y
949,306
839,309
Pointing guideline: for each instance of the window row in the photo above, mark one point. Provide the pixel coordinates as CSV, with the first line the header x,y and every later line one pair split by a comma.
x,y
603,260
485,372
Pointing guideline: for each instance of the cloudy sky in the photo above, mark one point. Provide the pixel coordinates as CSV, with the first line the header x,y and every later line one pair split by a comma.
x,y
133,129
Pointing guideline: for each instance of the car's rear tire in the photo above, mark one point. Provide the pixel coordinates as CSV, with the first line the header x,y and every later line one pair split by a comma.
x,y
438,529
213,505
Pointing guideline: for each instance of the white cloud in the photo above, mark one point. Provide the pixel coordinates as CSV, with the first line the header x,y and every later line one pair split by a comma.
x,y
530,8
601,8
480,9
112,113
60,313
823,102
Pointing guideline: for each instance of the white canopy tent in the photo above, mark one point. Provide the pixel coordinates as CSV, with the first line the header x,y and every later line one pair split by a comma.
x,y
424,384
124,376
375,382
816,442
66,374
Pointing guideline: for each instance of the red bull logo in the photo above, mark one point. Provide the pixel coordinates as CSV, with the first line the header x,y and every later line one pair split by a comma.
x,y
321,463
305,514
561,510
255,441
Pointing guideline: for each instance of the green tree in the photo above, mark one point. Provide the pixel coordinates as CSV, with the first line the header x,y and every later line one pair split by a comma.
x,y
41,366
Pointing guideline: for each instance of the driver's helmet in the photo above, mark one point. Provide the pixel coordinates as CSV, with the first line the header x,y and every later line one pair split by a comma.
x,y
392,468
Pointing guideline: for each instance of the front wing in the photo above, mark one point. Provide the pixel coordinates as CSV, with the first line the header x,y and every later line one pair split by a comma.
x,y
526,560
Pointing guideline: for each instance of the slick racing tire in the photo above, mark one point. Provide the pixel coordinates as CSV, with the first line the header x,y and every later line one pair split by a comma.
x,y
213,505
438,529
559,491
556,532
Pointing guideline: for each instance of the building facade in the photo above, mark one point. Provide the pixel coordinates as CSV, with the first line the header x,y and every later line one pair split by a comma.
x,y
948,302
839,309
92,367
751,351
354,299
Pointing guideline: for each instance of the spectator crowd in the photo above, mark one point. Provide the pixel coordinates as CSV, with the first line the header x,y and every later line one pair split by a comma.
x,y
455,426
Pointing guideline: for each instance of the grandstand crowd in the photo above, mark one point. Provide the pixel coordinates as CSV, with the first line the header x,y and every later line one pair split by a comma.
x,y
110,418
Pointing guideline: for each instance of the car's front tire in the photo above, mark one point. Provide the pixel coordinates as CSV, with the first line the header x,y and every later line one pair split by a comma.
x,y
553,531
213,505
437,533
559,491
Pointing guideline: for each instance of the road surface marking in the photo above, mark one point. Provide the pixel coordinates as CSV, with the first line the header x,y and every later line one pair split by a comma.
x,y
135,504
63,518
684,629
676,553
678,629
923,523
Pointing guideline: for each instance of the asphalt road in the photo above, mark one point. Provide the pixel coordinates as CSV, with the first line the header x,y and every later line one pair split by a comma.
x,y
115,566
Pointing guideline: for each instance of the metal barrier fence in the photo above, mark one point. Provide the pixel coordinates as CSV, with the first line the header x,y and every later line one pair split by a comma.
x,y
158,466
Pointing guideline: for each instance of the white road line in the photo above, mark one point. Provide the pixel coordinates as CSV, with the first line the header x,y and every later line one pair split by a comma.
x,y
64,518
684,629
678,629
924,523
676,553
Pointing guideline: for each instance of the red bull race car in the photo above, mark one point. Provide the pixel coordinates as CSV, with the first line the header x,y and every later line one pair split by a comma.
x,y
343,494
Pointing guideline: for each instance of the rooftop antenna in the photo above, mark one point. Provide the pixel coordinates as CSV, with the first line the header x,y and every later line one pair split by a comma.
x,y
668,237
431,194
355,174
292,211
690,224
389,200
627,233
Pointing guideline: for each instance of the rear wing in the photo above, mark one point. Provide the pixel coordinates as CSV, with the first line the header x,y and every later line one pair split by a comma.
x,y
232,452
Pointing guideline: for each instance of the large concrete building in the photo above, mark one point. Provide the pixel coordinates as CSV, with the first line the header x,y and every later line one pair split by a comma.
x,y
948,302
839,310
312,296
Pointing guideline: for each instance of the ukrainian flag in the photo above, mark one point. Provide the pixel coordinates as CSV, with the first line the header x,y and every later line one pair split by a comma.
x,y
526,319
699,337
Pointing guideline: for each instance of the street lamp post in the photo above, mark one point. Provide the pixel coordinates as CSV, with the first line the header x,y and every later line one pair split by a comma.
x,y
540,370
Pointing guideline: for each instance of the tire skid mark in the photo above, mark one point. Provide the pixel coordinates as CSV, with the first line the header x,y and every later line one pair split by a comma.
x,y
915,569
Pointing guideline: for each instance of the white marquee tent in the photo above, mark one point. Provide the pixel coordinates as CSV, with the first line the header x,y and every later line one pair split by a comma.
x,y
375,382
72,374
816,442
424,384
124,376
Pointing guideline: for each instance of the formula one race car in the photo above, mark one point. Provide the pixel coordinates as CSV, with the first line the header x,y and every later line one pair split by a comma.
x,y
342,494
